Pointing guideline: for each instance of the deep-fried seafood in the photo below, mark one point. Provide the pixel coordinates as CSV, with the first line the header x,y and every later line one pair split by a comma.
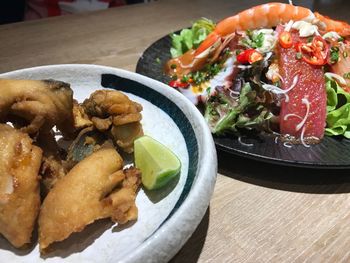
x,y
81,197
110,109
121,204
52,167
126,134
19,185
81,119
42,104
88,141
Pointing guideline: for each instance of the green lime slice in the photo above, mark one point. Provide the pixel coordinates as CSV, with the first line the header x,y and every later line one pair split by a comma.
x,y
158,164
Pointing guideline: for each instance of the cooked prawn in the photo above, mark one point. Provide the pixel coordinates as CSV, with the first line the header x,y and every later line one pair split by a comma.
x,y
262,16
341,27
270,15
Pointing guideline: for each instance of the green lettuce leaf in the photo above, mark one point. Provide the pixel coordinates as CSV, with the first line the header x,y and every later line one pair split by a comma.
x,y
225,114
338,110
191,38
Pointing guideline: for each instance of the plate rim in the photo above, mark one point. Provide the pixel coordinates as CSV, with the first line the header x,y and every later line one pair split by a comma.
x,y
203,184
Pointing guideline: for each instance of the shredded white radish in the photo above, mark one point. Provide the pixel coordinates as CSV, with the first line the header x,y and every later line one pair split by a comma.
x,y
307,104
245,144
277,90
291,115
244,66
287,144
336,77
234,94
272,72
302,138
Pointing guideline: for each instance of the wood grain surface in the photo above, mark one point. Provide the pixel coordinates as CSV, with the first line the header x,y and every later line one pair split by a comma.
x,y
259,212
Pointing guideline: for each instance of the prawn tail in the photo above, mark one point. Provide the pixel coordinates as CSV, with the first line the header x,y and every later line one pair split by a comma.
x,y
209,42
341,27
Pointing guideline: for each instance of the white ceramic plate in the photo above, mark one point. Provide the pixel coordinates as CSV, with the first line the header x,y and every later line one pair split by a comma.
x,y
167,217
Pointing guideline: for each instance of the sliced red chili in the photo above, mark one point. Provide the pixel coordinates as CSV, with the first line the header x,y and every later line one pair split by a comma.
x,y
285,39
313,53
254,57
242,57
321,46
249,56
178,84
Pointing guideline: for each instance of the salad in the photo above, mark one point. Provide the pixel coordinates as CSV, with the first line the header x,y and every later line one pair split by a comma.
x,y
274,68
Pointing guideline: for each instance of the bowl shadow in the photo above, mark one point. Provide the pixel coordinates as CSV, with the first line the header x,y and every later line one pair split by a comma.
x,y
287,178
192,249
78,242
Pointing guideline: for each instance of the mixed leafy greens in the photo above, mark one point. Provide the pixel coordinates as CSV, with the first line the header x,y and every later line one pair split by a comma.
x,y
249,107
253,100
338,110
191,38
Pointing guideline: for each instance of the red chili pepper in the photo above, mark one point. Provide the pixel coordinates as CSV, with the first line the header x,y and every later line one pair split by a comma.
x,y
285,39
178,84
314,53
249,56
321,46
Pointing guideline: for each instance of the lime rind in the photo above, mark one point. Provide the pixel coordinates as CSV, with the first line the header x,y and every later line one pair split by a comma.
x,y
158,164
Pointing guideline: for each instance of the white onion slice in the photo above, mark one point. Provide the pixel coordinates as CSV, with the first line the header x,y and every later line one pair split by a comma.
x,y
288,26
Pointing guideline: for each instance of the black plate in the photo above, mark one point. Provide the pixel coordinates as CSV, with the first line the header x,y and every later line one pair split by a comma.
x,y
330,153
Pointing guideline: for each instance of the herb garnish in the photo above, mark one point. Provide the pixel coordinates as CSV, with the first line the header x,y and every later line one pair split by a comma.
x,y
334,55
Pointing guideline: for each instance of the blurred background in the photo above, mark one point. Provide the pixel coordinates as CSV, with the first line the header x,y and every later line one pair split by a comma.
x,y
19,10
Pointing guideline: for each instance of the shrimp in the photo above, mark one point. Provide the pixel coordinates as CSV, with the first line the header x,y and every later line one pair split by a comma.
x,y
262,16
341,27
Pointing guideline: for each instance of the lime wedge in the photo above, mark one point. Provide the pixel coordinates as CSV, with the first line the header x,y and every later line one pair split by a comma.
x,y
158,164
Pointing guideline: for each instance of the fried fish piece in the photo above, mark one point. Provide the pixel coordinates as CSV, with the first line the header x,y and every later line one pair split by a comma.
x,y
38,104
95,188
19,185
52,166
81,119
113,111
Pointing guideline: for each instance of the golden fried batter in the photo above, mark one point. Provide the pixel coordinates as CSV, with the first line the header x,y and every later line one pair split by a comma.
x,y
19,185
113,111
126,134
41,104
52,167
81,197
81,119
121,203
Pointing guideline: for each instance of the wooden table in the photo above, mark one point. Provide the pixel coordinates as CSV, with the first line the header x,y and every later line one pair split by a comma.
x,y
259,212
